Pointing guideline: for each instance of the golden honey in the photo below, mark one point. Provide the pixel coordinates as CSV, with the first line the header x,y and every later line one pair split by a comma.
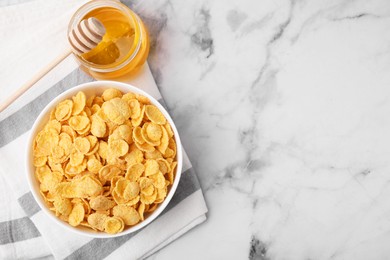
x,y
125,46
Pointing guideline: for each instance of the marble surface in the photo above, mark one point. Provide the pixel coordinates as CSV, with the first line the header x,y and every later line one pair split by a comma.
x,y
283,107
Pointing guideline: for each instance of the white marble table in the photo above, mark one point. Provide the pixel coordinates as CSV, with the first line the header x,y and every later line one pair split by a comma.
x,y
284,109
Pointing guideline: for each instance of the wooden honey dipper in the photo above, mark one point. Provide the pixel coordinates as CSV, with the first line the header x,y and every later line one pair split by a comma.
x,y
83,38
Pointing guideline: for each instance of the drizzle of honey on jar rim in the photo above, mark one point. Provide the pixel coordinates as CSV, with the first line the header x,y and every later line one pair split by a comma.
x,y
118,44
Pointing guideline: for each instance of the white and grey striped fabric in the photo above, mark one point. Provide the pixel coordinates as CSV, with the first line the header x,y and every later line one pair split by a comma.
x,y
26,232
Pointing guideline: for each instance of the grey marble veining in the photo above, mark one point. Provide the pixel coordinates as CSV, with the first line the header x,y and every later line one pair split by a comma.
x,y
283,109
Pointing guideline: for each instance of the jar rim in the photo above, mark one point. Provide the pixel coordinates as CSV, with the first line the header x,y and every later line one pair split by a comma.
x,y
92,5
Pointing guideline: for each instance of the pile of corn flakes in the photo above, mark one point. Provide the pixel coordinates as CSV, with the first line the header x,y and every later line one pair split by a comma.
x,y
105,162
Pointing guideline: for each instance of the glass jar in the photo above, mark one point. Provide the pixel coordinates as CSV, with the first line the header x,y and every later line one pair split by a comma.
x,y
125,46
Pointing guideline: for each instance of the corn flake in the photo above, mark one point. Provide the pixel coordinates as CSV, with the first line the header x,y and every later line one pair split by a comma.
x,y
117,110
77,215
128,214
155,115
111,93
79,102
135,171
118,148
97,220
151,167
63,110
63,206
113,225
98,126
101,203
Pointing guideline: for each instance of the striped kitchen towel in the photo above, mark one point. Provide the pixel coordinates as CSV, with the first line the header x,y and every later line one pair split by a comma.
x,y
25,231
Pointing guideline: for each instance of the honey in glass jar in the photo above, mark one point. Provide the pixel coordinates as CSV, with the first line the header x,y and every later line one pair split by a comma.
x,y
125,45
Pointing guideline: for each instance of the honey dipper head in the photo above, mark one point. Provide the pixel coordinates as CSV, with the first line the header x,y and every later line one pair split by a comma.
x,y
86,35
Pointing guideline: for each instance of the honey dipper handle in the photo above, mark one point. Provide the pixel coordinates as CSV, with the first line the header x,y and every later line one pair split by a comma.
x,y
34,80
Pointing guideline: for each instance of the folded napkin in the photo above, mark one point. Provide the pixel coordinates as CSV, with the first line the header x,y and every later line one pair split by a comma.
x,y
25,230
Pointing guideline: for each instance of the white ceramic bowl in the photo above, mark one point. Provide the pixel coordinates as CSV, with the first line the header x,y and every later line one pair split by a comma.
x,y
96,87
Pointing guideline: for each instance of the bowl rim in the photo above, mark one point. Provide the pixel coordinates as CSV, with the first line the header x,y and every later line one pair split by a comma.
x,y
37,126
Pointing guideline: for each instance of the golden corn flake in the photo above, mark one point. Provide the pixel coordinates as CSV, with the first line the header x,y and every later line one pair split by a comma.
x,y
169,130
164,166
40,161
113,225
158,180
82,145
151,167
45,142
135,171
136,121
117,110
164,141
63,206
146,137
94,144
145,147
118,148
68,130
77,215
66,190
146,185
94,165
54,124
137,135
133,157
120,186
76,158
87,207
141,210
50,180
58,154
89,186
161,194
123,132
155,154
155,115
171,174
142,99
106,173
152,207
100,113
128,214
79,102
111,93
119,162
103,149
131,191
89,102
79,123
148,199
105,162
98,100
154,131
66,143
135,108
133,201
101,203
74,170
98,126
94,109
128,96
87,111
97,220
63,110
